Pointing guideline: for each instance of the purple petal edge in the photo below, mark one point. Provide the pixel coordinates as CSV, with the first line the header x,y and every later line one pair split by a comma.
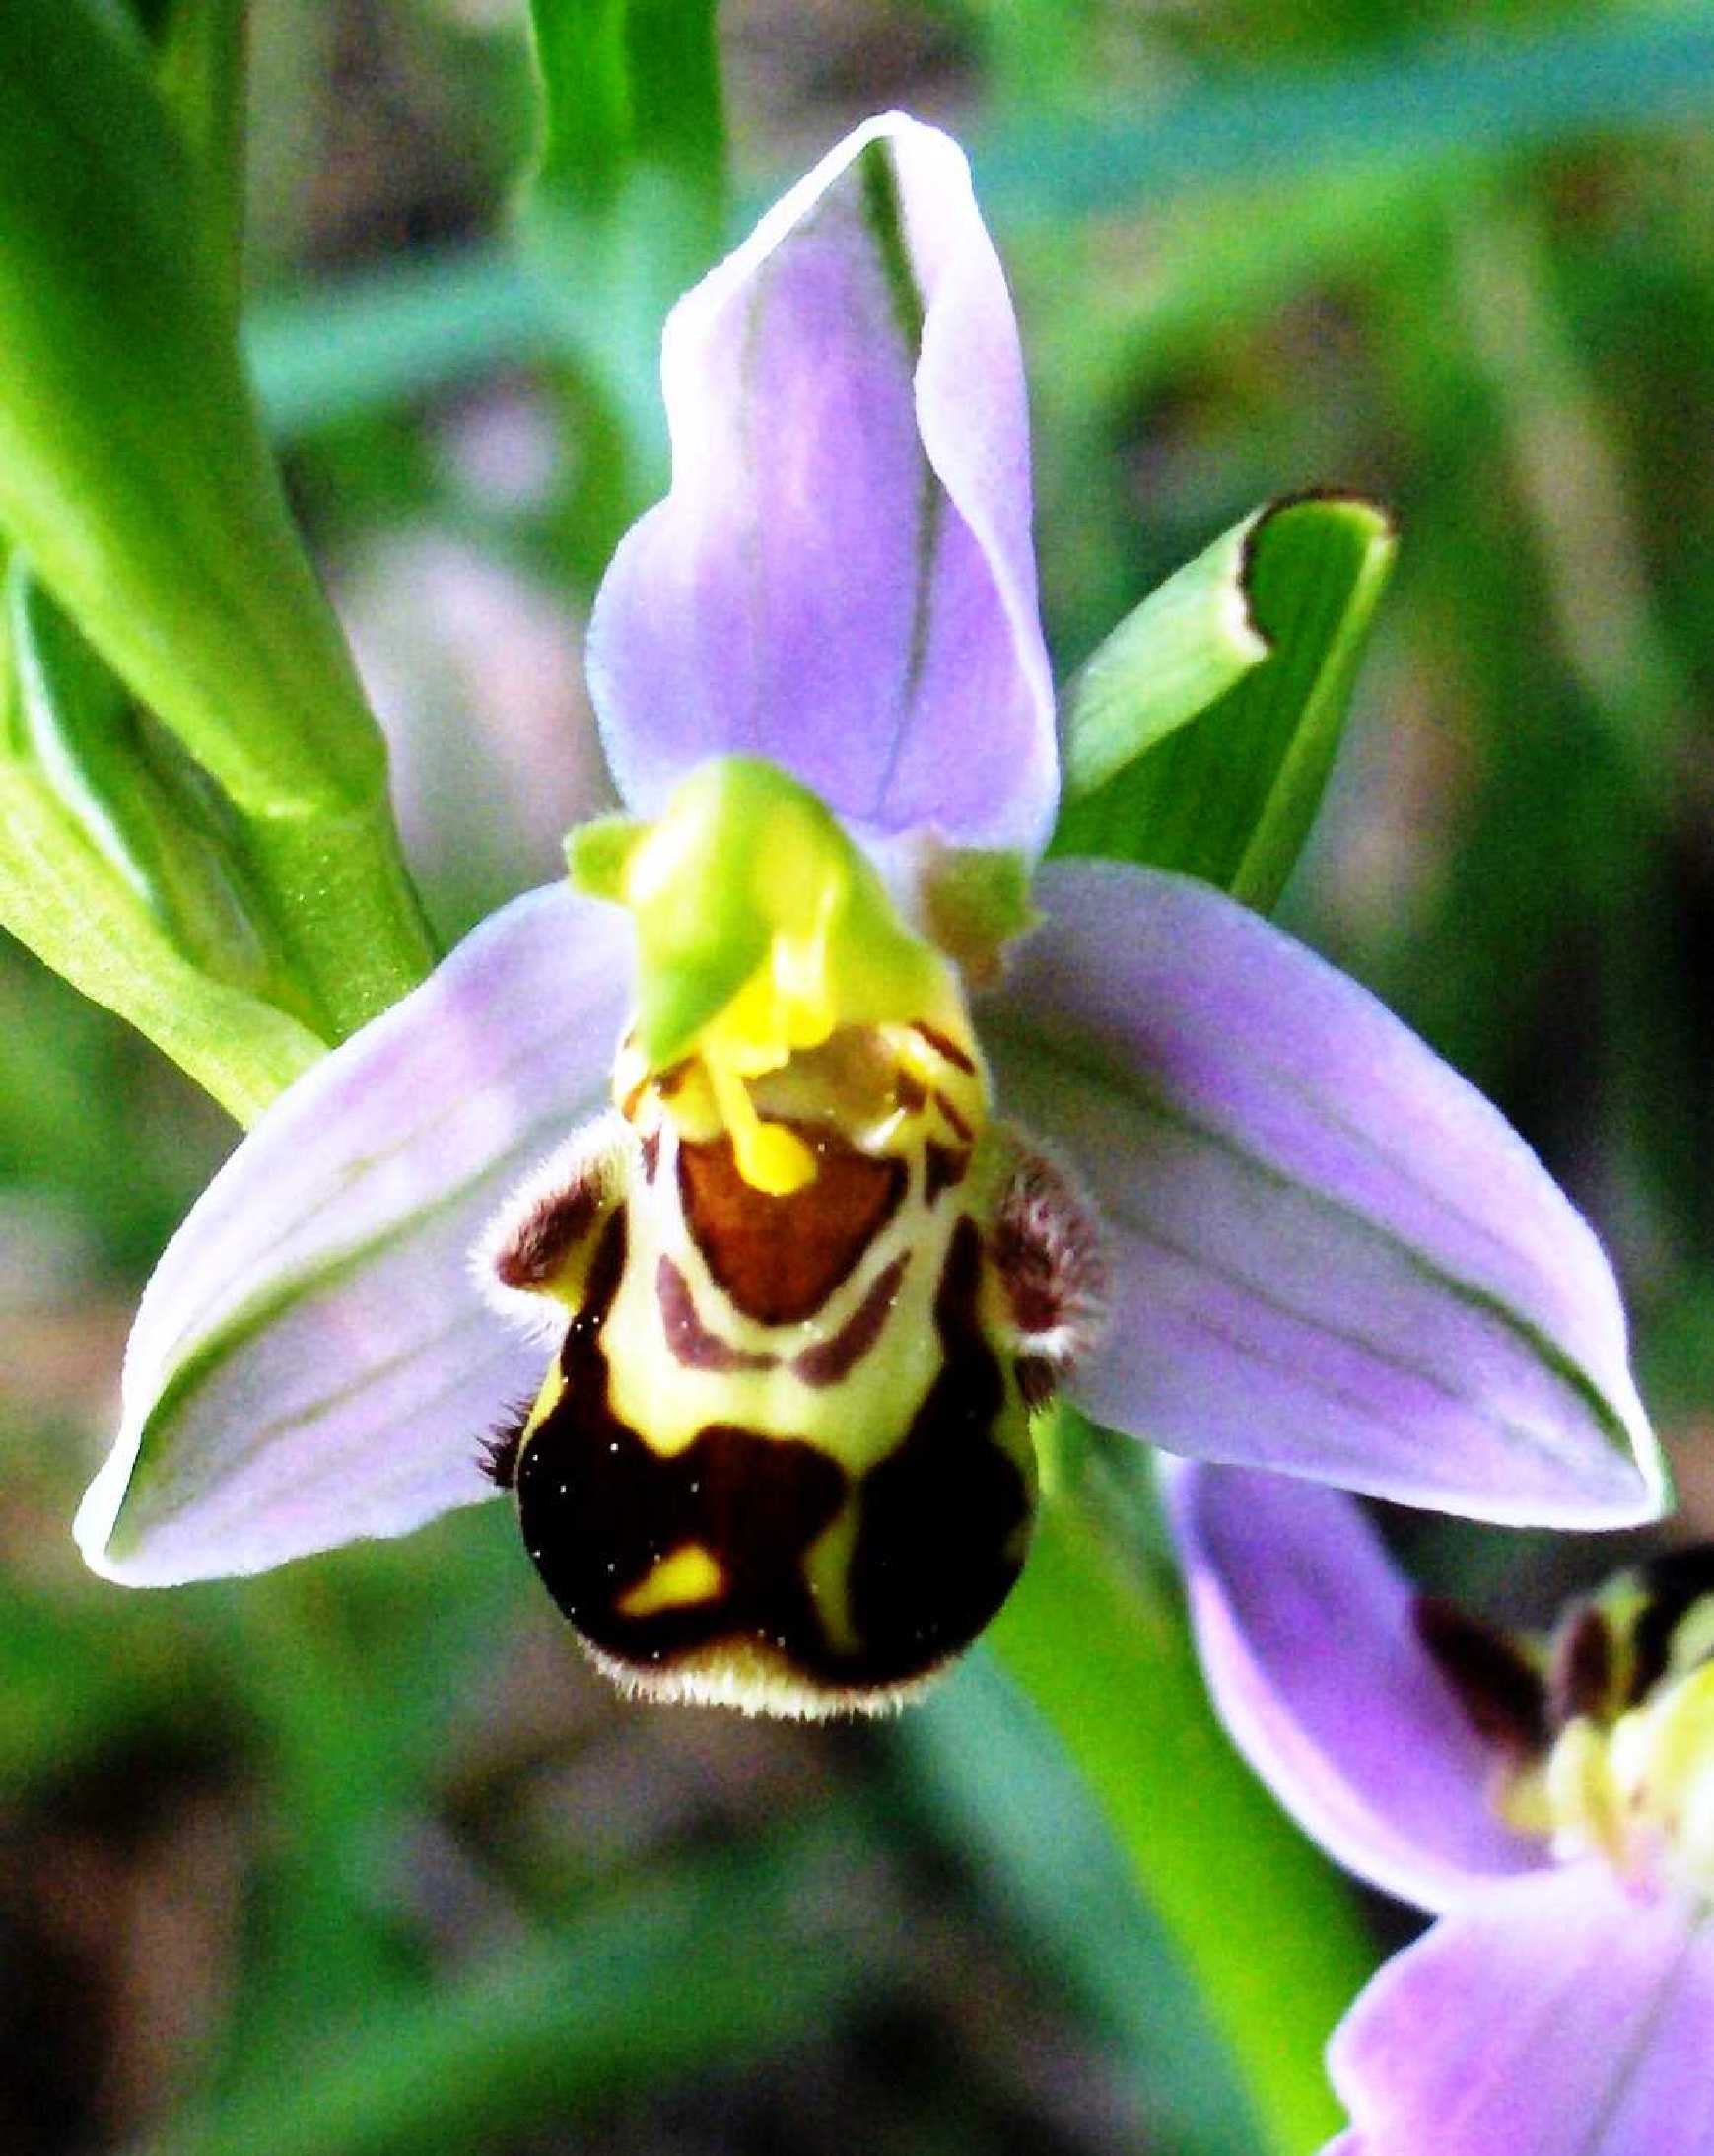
x,y
842,576
312,1362
1311,1653
1558,2015
1327,1254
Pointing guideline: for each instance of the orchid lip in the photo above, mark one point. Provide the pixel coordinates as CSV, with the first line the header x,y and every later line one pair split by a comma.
x,y
806,1293
1234,1286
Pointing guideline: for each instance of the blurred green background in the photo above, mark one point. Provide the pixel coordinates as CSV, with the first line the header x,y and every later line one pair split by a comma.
x,y
359,1858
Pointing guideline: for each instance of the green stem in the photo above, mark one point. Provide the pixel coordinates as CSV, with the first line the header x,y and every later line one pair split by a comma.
x,y
341,897
1263,1922
200,64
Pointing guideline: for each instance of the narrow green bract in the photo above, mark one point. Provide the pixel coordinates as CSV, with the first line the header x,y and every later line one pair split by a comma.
x,y
1172,657
1228,791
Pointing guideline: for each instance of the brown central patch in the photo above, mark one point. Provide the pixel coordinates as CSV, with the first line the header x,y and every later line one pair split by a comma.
x,y
779,1259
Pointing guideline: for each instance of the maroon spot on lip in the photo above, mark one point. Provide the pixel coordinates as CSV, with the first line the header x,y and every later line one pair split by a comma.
x,y
691,1340
954,1121
1035,1305
947,1049
831,1359
651,1154
1027,1262
1044,1248
943,1168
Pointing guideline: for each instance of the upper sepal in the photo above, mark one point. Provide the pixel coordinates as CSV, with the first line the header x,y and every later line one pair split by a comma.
x,y
842,578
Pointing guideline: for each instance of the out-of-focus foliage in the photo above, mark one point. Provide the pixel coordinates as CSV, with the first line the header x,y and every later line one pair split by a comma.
x,y
358,1859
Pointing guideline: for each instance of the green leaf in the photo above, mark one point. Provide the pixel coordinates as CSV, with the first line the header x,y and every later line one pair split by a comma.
x,y
134,476
1008,1799
627,205
200,51
698,1966
1260,1919
1231,795
1169,659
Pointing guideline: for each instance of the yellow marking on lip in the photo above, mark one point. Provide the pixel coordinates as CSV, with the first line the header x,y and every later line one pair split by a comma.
x,y
684,1576
827,1572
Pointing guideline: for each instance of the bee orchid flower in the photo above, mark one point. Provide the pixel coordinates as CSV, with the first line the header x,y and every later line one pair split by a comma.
x,y
796,1281
1550,1800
